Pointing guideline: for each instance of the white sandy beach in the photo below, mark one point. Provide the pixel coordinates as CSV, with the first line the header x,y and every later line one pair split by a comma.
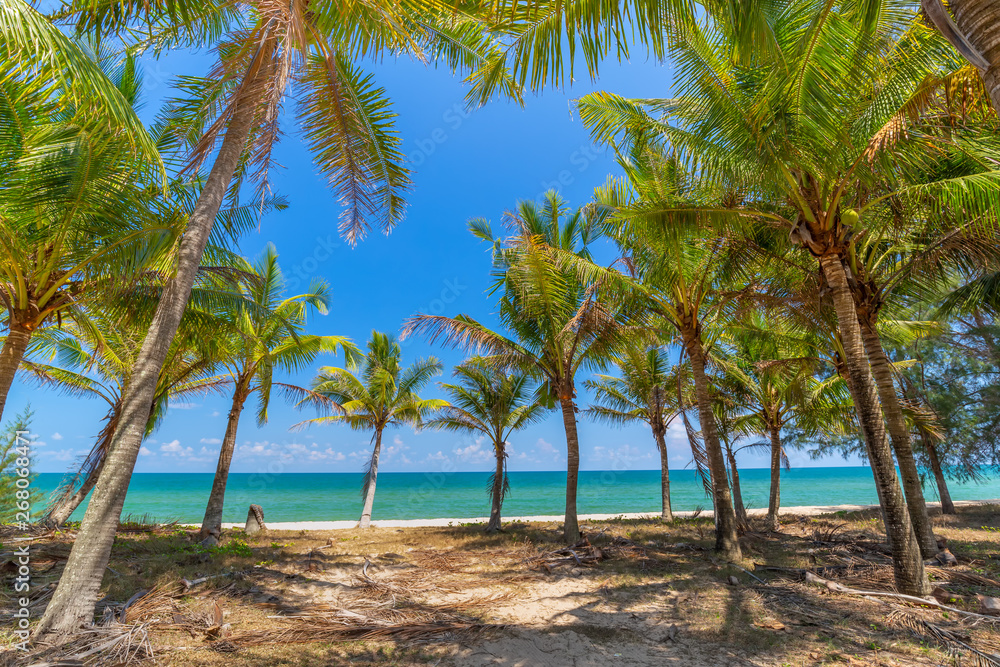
x,y
805,510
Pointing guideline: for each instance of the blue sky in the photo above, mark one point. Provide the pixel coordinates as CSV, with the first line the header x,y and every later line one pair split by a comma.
x,y
465,165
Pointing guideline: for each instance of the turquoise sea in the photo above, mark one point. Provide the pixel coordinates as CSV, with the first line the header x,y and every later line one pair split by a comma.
x,y
418,495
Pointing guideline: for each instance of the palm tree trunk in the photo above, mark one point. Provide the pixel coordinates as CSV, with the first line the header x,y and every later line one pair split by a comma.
x,y
369,489
65,506
741,510
61,508
216,499
14,347
977,20
774,500
494,524
842,372
73,602
947,506
907,565
667,513
571,527
899,433
726,540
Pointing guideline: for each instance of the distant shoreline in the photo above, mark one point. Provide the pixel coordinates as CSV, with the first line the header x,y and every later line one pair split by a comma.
x,y
805,510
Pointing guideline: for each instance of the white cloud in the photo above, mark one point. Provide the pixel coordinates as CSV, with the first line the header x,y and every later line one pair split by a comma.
x,y
180,405
215,413
145,451
624,456
545,447
56,436
476,452
210,441
64,455
174,448
396,451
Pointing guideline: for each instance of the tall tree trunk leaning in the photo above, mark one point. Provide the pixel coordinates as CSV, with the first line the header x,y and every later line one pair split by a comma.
x,y
774,499
72,604
947,506
977,20
571,527
499,475
726,540
11,355
899,433
217,498
734,472
666,513
372,478
907,564
63,507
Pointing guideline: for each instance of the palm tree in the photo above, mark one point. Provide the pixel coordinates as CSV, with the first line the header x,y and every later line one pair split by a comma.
x,y
684,279
73,213
768,376
836,118
264,335
639,395
94,361
487,400
382,394
558,323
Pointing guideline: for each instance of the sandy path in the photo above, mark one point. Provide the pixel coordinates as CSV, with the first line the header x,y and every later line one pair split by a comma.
x,y
805,510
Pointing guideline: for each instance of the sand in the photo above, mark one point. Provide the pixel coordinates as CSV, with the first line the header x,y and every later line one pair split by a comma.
x,y
804,510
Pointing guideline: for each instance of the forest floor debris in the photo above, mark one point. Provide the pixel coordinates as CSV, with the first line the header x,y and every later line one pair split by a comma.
x,y
631,592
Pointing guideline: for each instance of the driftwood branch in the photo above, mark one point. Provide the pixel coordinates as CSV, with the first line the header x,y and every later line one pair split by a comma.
x,y
930,602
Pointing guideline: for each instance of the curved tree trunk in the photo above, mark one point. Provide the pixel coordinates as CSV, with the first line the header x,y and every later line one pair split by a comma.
x,y
217,498
899,433
666,513
977,20
370,480
72,604
571,527
14,347
496,492
726,540
907,565
734,472
947,506
774,499
61,508
64,507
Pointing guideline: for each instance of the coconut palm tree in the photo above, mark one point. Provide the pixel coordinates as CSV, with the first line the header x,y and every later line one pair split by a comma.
x,y
640,394
380,395
768,375
264,335
558,324
835,119
489,401
94,362
684,279
74,213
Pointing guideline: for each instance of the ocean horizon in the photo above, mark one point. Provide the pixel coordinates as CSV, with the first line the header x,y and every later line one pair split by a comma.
x,y
438,495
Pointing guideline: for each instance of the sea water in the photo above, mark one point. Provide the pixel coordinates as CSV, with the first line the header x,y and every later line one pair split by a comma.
x,y
433,495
